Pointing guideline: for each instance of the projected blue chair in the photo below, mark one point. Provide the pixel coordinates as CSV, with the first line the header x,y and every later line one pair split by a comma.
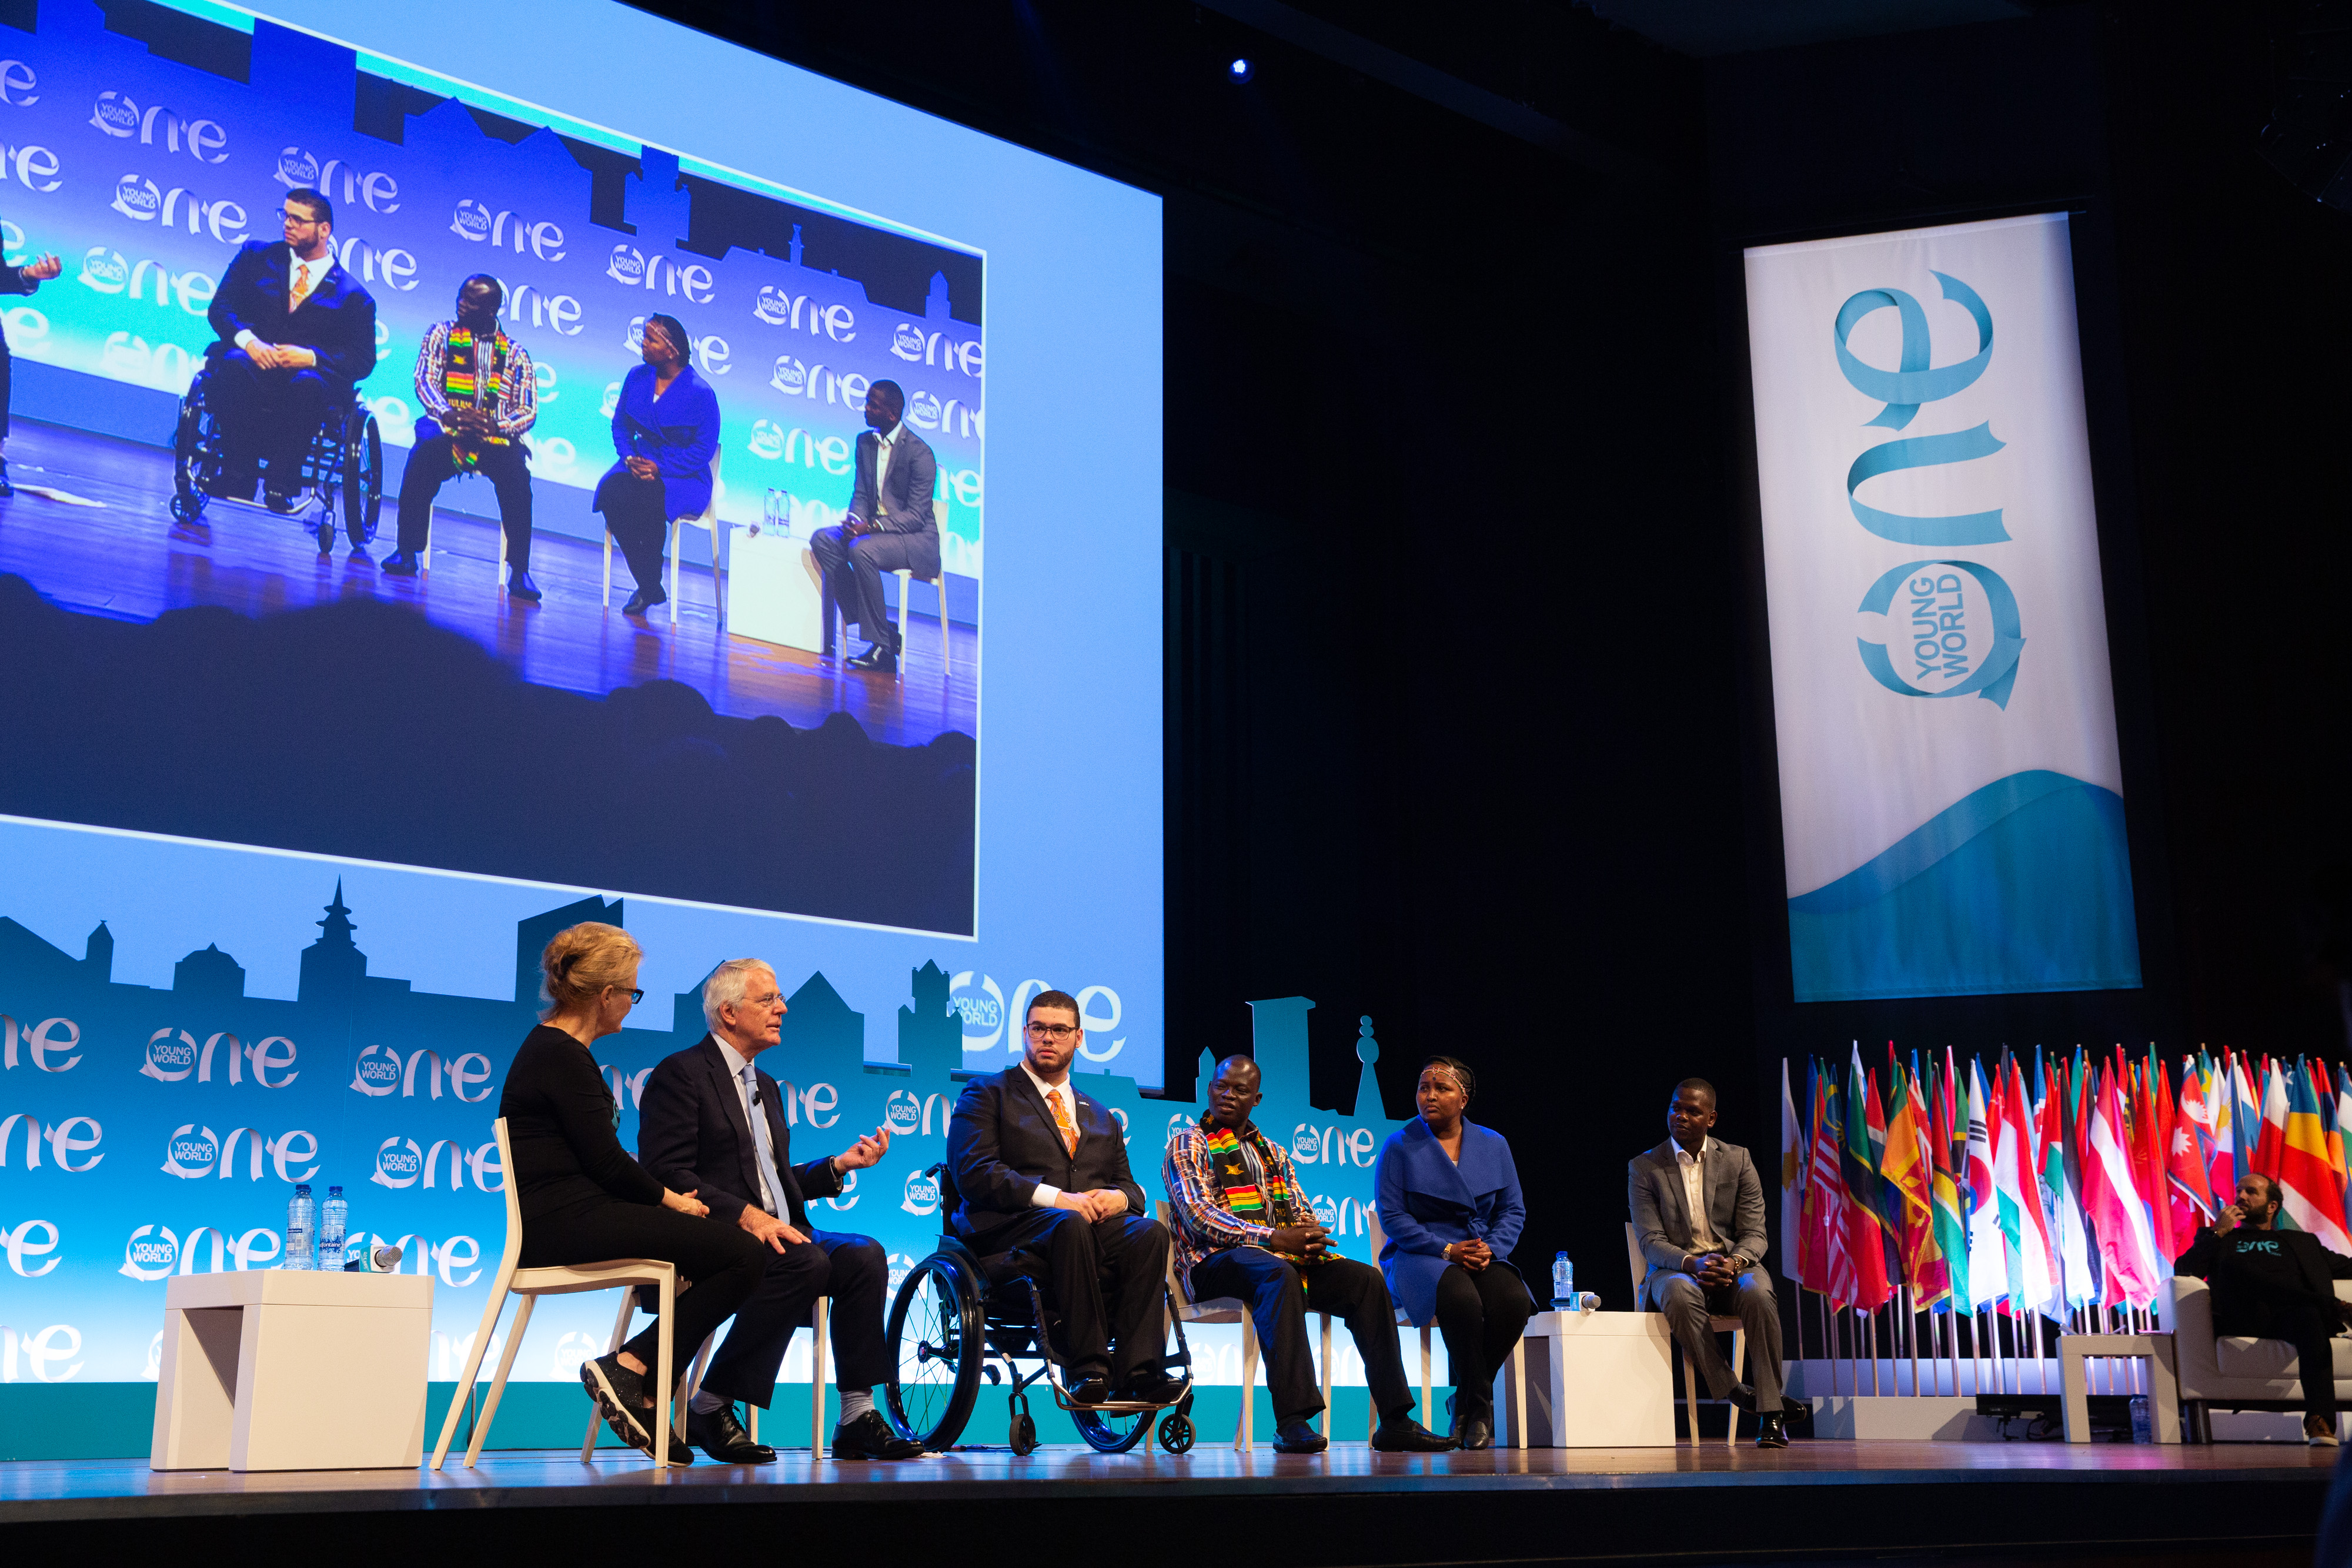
x,y
343,467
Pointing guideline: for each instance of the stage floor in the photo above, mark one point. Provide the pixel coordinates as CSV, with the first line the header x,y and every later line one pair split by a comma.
x,y
2038,1502
126,559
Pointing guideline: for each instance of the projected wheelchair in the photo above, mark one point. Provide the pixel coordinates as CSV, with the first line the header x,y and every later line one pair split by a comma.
x,y
342,472
959,1317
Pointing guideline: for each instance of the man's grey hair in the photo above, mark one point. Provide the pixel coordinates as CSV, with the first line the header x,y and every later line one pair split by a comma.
x,y
726,986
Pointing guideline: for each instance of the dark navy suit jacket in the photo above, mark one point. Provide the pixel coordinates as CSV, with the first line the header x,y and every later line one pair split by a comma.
x,y
337,322
1426,1201
692,1136
1001,1144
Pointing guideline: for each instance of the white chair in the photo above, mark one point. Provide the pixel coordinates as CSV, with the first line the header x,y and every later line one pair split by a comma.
x,y
1640,1267
701,1364
707,520
939,586
625,1274
2234,1371
1234,1310
1428,1395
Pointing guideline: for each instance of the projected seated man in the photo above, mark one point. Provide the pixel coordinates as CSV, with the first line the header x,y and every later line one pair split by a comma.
x,y
712,1120
889,526
1698,1214
1244,1229
2271,1282
1042,1174
480,393
296,334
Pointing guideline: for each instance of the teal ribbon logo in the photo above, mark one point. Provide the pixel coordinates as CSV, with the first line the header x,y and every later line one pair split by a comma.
x,y
1903,390
1941,610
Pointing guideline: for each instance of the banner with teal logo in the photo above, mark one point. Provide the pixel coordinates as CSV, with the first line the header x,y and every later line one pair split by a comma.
x,y
1929,533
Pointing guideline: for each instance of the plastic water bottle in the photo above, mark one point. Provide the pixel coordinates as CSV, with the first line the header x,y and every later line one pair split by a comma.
x,y
334,1220
301,1228
1563,1284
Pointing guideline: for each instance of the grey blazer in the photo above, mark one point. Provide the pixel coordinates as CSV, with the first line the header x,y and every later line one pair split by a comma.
x,y
1661,1216
906,502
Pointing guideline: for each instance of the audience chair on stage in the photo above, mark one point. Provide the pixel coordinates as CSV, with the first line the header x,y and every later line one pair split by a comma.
x,y
625,1273
702,1362
1732,1327
2235,1372
1234,1310
1404,1319
707,520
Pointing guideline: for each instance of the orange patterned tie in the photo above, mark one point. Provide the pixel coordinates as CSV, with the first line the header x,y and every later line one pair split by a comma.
x,y
301,289
1062,1120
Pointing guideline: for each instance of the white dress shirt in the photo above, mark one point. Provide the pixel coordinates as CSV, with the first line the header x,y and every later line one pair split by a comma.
x,y
1694,1193
296,271
886,443
1048,1196
736,1062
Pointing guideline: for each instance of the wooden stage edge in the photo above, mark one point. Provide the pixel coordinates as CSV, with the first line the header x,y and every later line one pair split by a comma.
x,y
1945,1502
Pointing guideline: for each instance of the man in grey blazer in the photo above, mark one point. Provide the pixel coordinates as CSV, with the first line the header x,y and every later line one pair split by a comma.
x,y
889,528
1699,1213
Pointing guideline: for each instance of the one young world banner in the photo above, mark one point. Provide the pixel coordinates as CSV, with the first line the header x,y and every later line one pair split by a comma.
x,y
1951,801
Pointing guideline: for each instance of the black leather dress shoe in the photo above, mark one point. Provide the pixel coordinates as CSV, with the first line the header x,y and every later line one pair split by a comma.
x,y
878,659
399,563
1473,1432
520,586
868,1436
643,600
1404,1435
1744,1396
1298,1438
1089,1387
719,1434
1153,1389
278,501
1771,1430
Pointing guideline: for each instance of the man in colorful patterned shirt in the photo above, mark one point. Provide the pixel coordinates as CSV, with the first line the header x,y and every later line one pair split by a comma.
x,y
480,393
1244,1230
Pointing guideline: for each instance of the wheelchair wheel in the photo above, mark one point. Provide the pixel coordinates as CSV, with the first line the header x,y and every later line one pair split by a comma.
x,y
188,496
1022,1433
1110,1432
327,534
935,1326
363,482
1176,1432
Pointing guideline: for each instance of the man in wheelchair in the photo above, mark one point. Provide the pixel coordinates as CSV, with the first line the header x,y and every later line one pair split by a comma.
x,y
297,333
1042,1183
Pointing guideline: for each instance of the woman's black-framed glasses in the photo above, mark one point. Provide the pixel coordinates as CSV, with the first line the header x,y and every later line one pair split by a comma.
x,y
634,996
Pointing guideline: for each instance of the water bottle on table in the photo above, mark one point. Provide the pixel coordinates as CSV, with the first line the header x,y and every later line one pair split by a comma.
x,y
1564,1297
334,1220
301,1228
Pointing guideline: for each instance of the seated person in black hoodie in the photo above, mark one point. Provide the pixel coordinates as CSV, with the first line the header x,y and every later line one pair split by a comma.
x,y
2271,1284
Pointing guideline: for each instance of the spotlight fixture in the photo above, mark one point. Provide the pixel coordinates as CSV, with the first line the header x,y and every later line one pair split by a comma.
x,y
1241,70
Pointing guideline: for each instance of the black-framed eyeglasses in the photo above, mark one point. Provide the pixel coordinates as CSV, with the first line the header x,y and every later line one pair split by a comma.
x,y
286,217
1054,1031
635,996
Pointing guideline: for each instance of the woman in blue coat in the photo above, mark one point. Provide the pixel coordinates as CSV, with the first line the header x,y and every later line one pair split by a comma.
x,y
1450,1203
666,428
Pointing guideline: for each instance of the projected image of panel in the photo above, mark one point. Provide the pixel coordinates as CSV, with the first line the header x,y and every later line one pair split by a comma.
x,y
156,150
1951,796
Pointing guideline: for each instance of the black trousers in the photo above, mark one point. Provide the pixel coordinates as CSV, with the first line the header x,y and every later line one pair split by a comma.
x,y
1481,1316
1281,1294
1688,1307
852,1270
268,416
430,467
853,574
2306,1326
637,513
1107,1278
8,376
723,1263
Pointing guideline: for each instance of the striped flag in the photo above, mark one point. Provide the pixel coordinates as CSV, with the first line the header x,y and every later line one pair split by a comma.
x,y
2032,1275
1987,1273
2127,1245
1824,1217
1865,1231
2270,1152
2314,1202
1951,1215
2078,1279
1903,1172
1792,1195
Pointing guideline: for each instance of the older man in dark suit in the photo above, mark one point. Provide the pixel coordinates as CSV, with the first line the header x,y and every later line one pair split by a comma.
x,y
297,333
1698,1214
1042,1180
711,1124
890,526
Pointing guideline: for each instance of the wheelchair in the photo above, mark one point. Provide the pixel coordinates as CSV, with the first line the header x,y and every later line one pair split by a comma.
x,y
343,469
959,1317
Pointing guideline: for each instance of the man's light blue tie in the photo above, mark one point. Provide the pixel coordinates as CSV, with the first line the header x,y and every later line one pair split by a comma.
x,y
767,1149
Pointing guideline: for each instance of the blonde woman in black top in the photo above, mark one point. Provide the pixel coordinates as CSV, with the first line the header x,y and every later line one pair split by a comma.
x,y
584,1200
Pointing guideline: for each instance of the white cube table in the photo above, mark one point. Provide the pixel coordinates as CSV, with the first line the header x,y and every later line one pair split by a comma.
x,y
2163,1379
278,1370
774,591
1594,1380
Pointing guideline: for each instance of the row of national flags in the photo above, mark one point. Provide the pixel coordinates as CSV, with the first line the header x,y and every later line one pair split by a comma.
x,y
2044,1183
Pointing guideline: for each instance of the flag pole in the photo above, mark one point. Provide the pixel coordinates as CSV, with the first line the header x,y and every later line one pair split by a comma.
x,y
1952,1343
1911,1323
